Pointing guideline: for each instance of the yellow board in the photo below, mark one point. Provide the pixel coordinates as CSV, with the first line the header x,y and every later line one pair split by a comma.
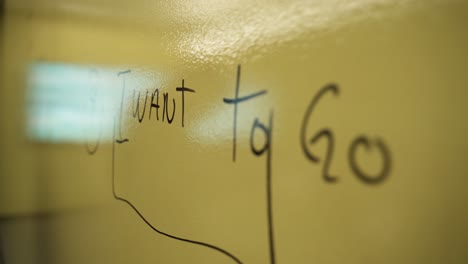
x,y
234,132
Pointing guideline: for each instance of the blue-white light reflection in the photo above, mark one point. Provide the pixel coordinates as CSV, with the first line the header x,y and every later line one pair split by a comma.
x,y
71,103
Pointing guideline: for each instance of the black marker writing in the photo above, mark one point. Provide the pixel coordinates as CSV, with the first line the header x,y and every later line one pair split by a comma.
x,y
328,134
148,223
362,140
169,120
236,101
258,150
136,110
324,133
183,90
140,111
267,131
155,94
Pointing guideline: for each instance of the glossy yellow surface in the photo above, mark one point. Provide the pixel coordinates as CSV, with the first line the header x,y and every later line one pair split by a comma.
x,y
400,75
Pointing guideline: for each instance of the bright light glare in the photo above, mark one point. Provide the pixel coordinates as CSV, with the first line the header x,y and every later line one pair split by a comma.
x,y
70,103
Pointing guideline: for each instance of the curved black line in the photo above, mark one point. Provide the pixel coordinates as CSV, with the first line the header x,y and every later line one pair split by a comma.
x,y
328,134
329,87
153,227
387,161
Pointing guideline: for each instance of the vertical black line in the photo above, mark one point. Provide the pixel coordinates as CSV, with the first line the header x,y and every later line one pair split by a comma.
x,y
183,102
183,89
234,139
269,198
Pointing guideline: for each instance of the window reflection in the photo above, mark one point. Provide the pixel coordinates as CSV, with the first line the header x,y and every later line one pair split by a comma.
x,y
70,103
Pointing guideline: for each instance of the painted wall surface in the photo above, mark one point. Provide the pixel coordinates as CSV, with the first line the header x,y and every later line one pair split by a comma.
x,y
327,131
